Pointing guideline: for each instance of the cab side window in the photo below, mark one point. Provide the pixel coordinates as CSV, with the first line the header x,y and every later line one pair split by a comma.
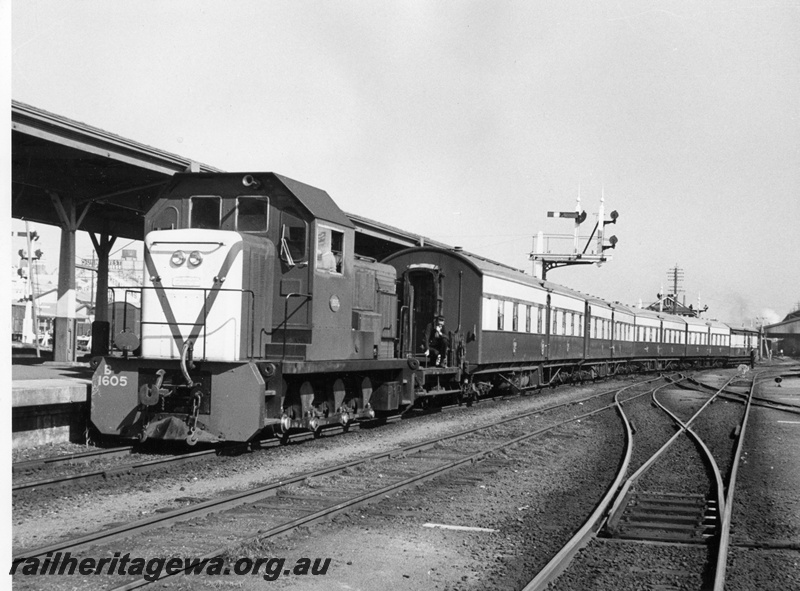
x,y
205,212
252,214
330,250
293,239
167,219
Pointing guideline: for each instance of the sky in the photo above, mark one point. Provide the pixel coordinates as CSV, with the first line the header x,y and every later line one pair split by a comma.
x,y
468,121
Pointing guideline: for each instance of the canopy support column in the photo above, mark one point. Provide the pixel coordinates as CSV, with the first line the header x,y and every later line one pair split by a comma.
x,y
64,329
101,327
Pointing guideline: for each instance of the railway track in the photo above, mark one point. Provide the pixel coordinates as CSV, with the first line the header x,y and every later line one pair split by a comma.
x,y
84,457
279,507
23,471
23,485
666,526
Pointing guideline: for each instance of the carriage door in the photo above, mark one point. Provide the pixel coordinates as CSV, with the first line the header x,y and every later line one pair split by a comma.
x,y
422,298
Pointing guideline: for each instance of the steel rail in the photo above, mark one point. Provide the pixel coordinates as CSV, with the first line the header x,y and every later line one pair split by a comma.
x,y
617,493
725,530
742,398
35,464
148,464
561,560
110,472
709,456
763,401
619,504
256,494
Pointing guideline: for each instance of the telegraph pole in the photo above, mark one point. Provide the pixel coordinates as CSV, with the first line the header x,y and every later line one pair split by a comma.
x,y
675,275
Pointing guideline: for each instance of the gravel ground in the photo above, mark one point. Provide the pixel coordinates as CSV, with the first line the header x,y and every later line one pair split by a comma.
x,y
623,566
526,502
766,505
646,418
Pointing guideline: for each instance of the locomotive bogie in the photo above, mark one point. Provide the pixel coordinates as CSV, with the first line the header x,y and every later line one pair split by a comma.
x,y
335,397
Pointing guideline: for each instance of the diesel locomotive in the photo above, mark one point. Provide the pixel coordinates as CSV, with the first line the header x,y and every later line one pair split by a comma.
x,y
259,316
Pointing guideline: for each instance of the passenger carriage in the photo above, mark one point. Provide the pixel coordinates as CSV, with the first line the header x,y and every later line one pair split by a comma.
x,y
623,335
647,339
673,334
600,329
742,341
719,338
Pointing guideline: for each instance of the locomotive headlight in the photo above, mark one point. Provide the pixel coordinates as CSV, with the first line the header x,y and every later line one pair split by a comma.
x,y
195,258
178,258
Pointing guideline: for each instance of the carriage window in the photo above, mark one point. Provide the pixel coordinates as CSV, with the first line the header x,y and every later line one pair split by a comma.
x,y
330,250
205,212
515,317
539,319
293,239
252,214
501,321
527,318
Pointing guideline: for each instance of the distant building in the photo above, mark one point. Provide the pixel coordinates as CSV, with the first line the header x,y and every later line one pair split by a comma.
x,y
784,336
673,306
46,304
125,271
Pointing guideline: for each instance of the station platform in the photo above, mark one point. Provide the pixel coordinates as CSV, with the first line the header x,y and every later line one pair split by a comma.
x,y
48,399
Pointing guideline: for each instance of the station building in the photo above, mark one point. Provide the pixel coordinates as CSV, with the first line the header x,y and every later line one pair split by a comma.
x,y
784,336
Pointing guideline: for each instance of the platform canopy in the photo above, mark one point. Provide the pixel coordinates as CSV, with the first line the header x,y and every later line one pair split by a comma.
x,y
112,180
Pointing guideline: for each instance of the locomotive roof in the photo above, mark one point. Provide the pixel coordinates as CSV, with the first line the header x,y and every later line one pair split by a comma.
x,y
315,200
